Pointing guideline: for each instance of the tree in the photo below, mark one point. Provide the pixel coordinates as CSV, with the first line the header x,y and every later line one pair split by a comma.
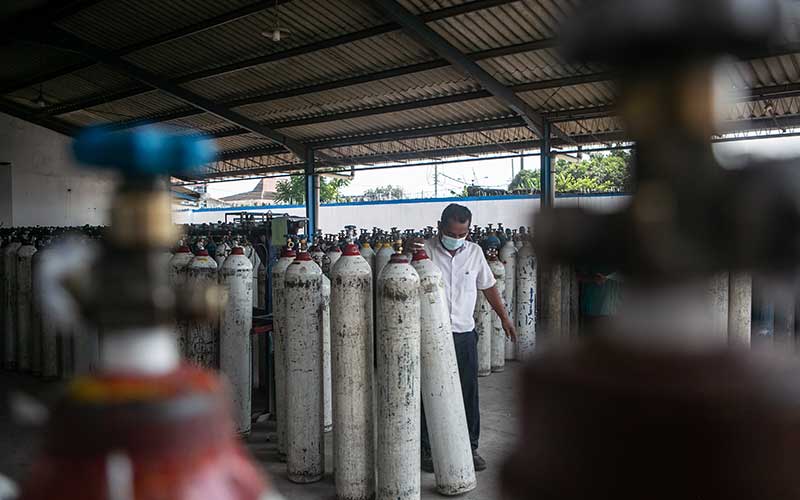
x,y
388,192
293,191
525,180
598,174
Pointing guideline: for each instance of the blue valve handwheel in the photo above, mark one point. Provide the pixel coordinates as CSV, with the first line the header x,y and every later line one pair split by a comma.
x,y
144,152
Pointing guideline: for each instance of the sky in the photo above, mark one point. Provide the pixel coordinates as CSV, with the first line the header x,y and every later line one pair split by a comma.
x,y
496,173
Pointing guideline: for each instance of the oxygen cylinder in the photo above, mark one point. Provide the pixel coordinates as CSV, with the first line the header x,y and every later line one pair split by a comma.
x,y
202,337
508,256
333,254
368,254
398,374
257,343
256,261
302,286
262,286
441,386
10,303
317,256
483,327
220,254
235,322
352,363
178,265
24,298
49,330
278,338
498,361
326,352
525,309
382,258
36,317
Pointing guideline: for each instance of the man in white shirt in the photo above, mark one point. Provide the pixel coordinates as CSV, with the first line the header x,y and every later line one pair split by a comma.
x,y
465,272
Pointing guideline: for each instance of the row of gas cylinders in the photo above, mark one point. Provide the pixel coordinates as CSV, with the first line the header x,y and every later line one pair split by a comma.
x,y
385,325
32,340
514,268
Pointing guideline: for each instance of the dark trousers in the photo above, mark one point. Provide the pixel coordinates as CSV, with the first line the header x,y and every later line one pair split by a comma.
x,y
467,359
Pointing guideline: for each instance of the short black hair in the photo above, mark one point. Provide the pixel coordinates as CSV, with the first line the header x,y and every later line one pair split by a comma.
x,y
457,213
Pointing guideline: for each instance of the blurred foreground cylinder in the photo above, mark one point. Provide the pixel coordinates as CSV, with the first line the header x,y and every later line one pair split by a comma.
x,y
718,307
498,362
325,307
608,420
302,287
236,320
483,327
398,375
160,437
740,307
24,303
508,256
441,386
525,307
178,269
352,363
278,340
202,336
9,304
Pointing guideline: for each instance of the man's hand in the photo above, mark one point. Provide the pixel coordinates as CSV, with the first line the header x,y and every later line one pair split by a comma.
x,y
415,244
511,331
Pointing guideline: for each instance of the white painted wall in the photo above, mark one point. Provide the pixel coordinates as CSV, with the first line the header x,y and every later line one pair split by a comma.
x,y
513,212
5,195
46,185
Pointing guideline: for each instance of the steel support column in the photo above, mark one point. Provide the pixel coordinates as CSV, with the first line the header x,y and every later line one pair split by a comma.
x,y
546,174
312,194
554,306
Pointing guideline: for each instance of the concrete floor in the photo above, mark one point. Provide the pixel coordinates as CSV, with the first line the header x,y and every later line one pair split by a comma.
x,y
498,435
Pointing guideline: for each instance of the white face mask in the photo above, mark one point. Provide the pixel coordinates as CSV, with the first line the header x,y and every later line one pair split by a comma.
x,y
451,243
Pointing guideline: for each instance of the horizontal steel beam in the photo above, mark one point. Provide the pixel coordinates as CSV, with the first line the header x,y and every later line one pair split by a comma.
x,y
342,83
23,113
168,37
447,99
602,111
470,6
132,71
506,122
436,153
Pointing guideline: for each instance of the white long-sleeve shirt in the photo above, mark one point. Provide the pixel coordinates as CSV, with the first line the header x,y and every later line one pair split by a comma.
x,y
464,274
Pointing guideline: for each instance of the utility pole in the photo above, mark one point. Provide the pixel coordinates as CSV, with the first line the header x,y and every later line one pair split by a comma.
x,y
435,180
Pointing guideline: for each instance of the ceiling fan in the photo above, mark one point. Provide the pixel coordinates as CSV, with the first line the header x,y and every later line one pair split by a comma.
x,y
40,101
277,33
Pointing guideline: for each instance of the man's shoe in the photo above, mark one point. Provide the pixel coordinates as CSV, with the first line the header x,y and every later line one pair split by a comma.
x,y
427,461
478,461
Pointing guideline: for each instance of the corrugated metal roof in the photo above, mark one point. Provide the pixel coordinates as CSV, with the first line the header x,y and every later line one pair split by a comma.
x,y
22,60
114,24
307,20
94,80
360,57
319,87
